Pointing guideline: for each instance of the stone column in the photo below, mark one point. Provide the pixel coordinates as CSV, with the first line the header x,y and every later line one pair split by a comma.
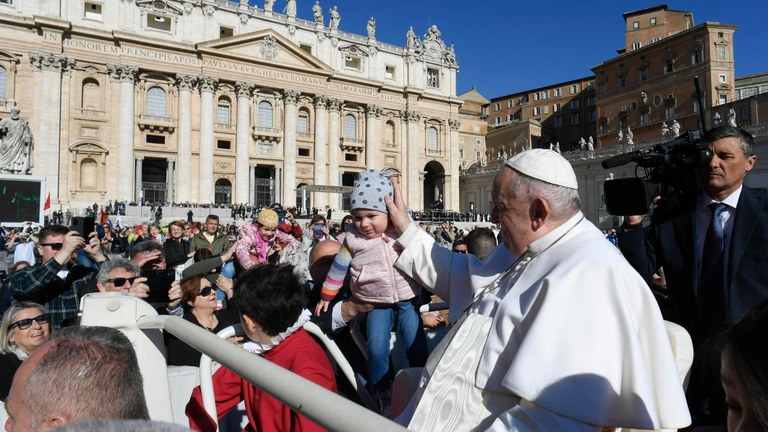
x,y
48,160
413,165
126,123
452,201
278,182
243,142
186,84
169,176
137,188
334,108
321,149
290,97
372,114
208,87
252,184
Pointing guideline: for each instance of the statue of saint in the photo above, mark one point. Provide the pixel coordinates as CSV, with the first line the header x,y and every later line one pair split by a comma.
x,y
17,145
268,5
732,118
410,38
591,148
582,144
335,18
557,147
644,96
620,136
317,11
290,8
664,129
718,120
675,128
371,27
630,136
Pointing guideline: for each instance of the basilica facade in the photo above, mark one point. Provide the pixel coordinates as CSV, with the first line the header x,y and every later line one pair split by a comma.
x,y
222,102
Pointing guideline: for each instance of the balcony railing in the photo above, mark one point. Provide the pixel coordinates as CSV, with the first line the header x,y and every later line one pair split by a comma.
x,y
90,114
269,134
352,144
155,123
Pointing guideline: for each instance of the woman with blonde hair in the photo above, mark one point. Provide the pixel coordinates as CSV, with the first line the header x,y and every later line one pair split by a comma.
x,y
23,327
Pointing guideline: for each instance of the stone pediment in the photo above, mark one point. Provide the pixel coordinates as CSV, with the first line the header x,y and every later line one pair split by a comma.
x,y
265,47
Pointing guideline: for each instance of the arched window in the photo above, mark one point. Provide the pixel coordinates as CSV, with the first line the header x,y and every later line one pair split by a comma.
x,y
88,174
223,111
389,132
3,83
223,190
350,126
156,101
303,121
432,138
90,96
265,114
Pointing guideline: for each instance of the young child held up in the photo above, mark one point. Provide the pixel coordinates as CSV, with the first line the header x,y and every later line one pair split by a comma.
x,y
261,242
368,252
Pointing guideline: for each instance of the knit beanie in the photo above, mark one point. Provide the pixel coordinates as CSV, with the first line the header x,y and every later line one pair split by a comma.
x,y
370,189
268,218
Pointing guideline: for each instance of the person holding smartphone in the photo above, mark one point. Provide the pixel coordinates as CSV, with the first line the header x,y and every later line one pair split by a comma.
x,y
54,281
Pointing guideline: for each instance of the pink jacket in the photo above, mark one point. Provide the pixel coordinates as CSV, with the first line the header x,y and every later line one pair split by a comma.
x,y
374,278
250,243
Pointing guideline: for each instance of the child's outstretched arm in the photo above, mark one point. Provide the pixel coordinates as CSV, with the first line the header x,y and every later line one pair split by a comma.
x,y
335,278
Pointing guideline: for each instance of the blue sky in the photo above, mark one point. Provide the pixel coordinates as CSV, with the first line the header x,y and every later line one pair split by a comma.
x,y
506,46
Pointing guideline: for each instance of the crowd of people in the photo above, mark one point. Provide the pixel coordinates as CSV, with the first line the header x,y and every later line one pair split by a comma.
x,y
539,338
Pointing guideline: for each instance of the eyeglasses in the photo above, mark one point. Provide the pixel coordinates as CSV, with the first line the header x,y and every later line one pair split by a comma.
x,y
54,246
205,292
26,323
460,251
121,280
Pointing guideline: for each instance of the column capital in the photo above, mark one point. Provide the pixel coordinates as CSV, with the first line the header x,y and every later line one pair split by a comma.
x,y
207,84
186,82
411,116
454,124
321,102
291,96
122,73
372,110
334,105
52,62
243,89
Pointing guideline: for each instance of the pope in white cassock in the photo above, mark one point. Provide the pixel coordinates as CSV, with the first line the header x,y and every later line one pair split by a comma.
x,y
557,331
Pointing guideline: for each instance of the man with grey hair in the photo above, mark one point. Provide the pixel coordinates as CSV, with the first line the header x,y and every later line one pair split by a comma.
x,y
122,275
83,373
546,341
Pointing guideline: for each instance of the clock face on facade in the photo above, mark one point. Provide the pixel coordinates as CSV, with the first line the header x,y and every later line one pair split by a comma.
x,y
432,49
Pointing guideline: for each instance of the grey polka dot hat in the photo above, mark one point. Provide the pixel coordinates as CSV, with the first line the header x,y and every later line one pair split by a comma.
x,y
371,187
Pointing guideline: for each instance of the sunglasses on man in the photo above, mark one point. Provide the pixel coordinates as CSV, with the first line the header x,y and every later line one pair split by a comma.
x,y
26,323
118,282
54,246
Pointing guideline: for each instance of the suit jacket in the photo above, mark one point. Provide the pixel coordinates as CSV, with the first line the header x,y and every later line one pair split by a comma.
x,y
672,245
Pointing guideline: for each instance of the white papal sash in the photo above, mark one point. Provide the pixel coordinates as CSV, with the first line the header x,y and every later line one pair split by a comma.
x,y
447,397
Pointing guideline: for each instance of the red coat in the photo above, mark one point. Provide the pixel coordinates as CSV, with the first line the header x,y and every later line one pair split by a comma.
x,y
300,354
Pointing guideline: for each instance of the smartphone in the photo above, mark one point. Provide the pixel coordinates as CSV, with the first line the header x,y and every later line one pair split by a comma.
x,y
159,282
83,225
281,215
317,231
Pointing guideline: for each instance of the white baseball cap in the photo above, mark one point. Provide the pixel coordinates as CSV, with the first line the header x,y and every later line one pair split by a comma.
x,y
545,165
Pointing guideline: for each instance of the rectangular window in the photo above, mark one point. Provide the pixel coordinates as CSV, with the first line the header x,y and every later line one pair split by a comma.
x,y
350,157
643,74
496,106
303,126
536,96
558,121
558,92
603,126
697,56
636,45
575,104
574,88
497,121
669,66
622,81
536,111
225,32
303,152
645,118
655,39
352,62
722,78
723,99
575,118
592,116
670,111
546,109
509,117
158,22
222,114
433,78
591,101
653,22
509,103
461,153
389,72
90,10
635,25
602,88
306,48
155,139
224,144
556,107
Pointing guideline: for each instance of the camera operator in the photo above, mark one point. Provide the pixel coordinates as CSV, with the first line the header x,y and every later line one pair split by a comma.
x,y
54,281
714,258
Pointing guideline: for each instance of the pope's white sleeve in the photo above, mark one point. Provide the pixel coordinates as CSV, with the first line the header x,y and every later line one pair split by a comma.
x,y
527,417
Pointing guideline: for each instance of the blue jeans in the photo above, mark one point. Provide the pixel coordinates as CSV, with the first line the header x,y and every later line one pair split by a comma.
x,y
408,323
227,270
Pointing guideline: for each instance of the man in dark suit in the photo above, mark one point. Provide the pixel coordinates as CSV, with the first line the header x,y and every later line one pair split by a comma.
x,y
706,298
